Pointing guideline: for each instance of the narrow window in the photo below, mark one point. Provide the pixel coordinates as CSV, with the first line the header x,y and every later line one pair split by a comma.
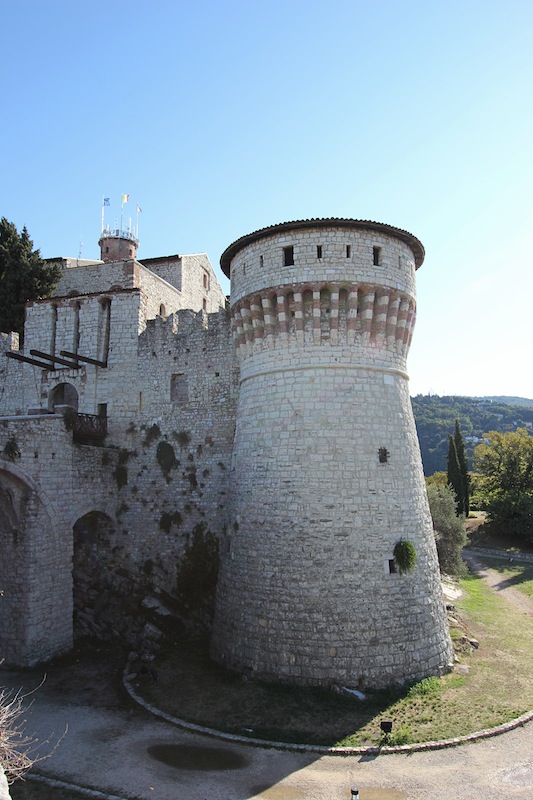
x,y
319,251
288,256
348,251
179,388
204,304
131,252
76,337
392,566
162,311
377,256
383,455
205,280
261,261
54,330
104,328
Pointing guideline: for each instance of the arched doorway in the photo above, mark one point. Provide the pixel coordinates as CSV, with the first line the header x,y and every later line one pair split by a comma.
x,y
35,615
63,395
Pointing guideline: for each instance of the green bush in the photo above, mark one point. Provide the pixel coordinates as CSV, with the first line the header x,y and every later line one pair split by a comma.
x,y
449,529
405,555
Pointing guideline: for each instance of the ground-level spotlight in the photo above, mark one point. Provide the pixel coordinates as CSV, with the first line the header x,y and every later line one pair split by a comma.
x,y
386,726
354,794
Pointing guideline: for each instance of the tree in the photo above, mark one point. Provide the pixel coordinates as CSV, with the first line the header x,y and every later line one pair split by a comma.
x,y
463,467
455,479
24,276
449,528
505,462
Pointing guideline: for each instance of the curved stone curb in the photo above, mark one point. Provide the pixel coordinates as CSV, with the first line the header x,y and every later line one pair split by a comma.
x,y
38,777
322,749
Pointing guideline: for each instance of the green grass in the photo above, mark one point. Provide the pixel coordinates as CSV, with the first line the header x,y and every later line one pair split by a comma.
x,y
517,575
497,687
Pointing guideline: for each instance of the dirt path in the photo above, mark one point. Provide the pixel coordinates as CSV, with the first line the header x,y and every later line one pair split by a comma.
x,y
500,585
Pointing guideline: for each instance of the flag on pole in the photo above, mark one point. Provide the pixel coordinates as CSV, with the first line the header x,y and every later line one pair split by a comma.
x,y
125,198
139,208
106,201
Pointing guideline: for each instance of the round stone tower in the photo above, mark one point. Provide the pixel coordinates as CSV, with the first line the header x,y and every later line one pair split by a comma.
x,y
117,245
326,472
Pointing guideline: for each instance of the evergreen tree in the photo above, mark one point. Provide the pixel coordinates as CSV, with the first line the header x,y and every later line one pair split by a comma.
x,y
24,276
455,479
463,466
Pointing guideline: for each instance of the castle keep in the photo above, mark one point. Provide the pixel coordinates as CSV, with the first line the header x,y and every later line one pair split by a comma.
x,y
141,411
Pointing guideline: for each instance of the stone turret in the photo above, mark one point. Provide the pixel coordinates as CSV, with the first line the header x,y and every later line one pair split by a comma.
x,y
326,471
117,245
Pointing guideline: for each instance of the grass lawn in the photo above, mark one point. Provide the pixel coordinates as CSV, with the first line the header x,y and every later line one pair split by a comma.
x,y
517,575
498,686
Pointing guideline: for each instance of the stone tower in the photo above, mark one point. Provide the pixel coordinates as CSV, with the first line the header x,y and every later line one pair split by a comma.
x,y
326,470
117,245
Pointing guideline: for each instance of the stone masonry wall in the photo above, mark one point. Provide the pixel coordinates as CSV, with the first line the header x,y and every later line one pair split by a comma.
x,y
326,471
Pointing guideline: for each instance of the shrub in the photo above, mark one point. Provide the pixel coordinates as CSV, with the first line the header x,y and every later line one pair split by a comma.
x,y
449,529
404,555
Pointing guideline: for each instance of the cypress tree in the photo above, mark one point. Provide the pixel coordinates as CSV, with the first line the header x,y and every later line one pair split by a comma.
x,y
463,466
24,276
455,479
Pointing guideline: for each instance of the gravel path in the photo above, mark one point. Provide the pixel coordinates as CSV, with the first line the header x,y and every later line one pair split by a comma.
x,y
501,585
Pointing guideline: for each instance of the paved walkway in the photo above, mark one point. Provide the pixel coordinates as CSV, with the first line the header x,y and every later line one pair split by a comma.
x,y
108,741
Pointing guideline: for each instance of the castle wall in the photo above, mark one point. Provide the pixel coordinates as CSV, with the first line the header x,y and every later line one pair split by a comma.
x,y
36,488
126,511
98,277
11,397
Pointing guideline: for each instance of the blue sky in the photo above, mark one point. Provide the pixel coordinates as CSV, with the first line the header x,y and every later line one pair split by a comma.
x,y
219,118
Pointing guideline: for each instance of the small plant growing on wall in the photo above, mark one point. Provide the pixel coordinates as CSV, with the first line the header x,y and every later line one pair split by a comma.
x,y
153,433
404,555
11,449
182,437
167,520
166,458
120,475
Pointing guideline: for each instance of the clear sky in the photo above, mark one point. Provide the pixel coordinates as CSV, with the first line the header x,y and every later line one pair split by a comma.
x,y
221,117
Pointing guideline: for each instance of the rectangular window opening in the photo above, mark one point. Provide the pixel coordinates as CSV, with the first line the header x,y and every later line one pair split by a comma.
x,y
288,256
377,256
319,251
393,569
179,388
348,251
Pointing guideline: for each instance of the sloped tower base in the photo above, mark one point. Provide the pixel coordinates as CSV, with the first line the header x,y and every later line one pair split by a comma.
x,y
326,473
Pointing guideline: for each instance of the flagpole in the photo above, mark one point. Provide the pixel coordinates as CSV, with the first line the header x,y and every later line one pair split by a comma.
x,y
102,212
137,221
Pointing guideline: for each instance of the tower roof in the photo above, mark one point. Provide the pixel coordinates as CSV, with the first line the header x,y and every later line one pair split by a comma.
x,y
357,224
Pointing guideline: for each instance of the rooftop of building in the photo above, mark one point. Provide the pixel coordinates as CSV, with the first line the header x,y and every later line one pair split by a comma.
x,y
328,222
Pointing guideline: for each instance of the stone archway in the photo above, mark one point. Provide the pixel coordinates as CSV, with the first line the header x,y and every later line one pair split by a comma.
x,y
63,395
35,616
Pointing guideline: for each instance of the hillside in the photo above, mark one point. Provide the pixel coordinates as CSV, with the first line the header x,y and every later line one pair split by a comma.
x,y
435,418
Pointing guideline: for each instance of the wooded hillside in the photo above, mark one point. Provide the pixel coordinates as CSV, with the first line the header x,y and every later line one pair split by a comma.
x,y
435,419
